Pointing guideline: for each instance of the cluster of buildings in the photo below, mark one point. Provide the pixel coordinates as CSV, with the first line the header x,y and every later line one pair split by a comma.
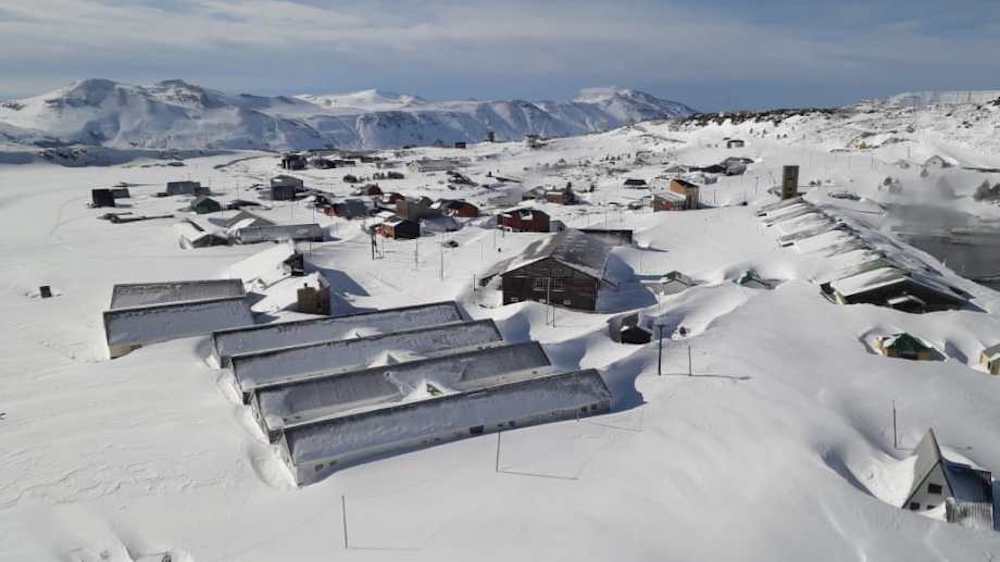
x,y
336,391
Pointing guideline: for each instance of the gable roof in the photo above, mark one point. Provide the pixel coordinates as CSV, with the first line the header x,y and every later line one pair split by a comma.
x,y
964,483
572,248
128,295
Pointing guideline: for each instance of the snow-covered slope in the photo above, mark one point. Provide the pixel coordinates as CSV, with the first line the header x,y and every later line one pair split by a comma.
x,y
178,115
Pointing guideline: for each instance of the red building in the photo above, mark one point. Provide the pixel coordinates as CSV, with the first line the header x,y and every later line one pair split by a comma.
x,y
524,220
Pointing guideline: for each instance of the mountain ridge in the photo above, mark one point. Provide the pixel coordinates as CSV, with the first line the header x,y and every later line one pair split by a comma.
x,y
176,114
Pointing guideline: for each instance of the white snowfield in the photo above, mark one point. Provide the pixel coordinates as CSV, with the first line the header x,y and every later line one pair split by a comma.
x,y
779,448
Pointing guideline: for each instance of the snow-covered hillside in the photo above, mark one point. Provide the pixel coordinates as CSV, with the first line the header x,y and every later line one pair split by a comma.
x,y
178,115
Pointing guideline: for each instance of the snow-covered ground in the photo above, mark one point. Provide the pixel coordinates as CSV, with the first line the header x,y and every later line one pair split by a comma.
x,y
781,448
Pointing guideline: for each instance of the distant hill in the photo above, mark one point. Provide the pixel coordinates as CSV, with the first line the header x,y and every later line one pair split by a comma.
x,y
178,115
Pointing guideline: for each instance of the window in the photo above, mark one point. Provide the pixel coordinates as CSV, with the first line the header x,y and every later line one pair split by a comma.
x,y
914,506
933,488
477,430
929,507
558,284
541,284
567,302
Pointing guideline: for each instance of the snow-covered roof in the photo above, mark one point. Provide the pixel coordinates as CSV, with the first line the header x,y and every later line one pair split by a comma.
x,y
285,293
310,231
765,209
572,248
249,339
265,267
524,396
162,322
297,402
128,295
253,369
244,219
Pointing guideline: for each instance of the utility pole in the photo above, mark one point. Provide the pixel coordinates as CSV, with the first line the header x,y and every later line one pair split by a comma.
x,y
659,360
441,272
690,368
548,299
498,452
343,512
416,253
895,437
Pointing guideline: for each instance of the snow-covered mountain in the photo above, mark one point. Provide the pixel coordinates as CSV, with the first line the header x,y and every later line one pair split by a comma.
x,y
175,114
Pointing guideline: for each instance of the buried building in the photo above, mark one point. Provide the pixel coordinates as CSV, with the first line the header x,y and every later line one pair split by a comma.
x,y
427,417
279,232
279,405
250,339
254,369
146,313
965,492
897,288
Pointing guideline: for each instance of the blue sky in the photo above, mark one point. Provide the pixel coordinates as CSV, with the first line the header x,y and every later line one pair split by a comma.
x,y
711,55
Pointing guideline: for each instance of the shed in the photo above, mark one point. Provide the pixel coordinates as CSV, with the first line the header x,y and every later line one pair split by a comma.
x,y
285,187
416,209
567,269
291,161
456,208
101,198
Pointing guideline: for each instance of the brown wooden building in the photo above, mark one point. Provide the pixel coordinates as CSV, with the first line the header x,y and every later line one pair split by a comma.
x,y
688,190
524,220
567,269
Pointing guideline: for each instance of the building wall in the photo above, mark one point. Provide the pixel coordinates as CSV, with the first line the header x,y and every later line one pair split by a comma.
x,y
924,498
538,223
569,287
